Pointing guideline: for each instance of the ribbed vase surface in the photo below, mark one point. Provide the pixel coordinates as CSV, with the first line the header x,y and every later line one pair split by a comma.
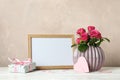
x,y
94,56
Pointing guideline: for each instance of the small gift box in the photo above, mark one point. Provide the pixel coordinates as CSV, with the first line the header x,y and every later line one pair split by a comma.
x,y
18,66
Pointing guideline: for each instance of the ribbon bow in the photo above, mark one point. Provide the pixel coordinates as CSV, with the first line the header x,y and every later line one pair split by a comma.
x,y
17,61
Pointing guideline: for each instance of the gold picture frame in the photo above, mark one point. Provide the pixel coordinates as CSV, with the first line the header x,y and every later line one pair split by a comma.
x,y
51,51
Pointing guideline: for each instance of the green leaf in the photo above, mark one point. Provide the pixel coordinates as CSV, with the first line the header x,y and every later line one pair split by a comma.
x,y
106,39
82,47
73,45
92,42
99,42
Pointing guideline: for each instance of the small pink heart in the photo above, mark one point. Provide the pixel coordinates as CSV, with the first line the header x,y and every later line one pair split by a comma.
x,y
81,65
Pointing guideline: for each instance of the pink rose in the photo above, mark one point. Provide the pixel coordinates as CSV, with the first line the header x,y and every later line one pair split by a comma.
x,y
78,40
84,37
95,34
90,28
80,31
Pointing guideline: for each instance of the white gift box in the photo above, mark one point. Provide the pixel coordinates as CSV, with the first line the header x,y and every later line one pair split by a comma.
x,y
22,68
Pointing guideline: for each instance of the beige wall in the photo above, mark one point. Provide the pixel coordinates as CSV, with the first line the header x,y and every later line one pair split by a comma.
x,y
21,17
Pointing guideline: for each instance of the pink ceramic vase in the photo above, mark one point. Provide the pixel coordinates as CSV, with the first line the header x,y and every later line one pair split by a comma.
x,y
94,56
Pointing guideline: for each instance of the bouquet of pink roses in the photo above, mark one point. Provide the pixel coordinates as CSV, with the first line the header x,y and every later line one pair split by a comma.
x,y
91,38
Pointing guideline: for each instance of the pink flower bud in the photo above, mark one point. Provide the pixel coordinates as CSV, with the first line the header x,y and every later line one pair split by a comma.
x,y
80,31
78,40
84,37
90,28
95,34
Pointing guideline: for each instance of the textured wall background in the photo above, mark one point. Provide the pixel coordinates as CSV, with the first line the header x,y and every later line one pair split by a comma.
x,y
21,17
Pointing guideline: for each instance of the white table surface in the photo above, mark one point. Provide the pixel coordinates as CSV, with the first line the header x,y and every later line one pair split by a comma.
x,y
106,73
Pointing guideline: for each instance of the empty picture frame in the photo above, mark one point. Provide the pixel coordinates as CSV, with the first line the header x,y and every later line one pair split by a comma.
x,y
51,51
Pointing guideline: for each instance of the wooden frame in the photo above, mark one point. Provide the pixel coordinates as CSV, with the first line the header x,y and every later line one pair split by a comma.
x,y
32,40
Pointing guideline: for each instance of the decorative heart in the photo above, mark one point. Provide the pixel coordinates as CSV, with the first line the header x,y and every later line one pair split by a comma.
x,y
81,65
